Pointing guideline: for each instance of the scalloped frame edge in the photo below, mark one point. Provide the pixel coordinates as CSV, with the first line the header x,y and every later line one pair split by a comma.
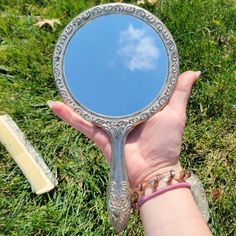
x,y
119,122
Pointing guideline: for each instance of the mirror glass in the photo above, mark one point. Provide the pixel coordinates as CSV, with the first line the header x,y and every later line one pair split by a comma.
x,y
115,65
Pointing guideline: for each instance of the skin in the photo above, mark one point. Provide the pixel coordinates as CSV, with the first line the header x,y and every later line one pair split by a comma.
x,y
154,148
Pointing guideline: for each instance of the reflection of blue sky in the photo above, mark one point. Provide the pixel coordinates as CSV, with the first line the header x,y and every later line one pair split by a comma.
x,y
137,49
115,65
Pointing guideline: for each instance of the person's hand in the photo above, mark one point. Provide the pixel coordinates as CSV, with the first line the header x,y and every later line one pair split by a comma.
x,y
153,147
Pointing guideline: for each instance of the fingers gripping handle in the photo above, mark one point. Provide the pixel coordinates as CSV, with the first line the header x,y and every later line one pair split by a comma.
x,y
118,202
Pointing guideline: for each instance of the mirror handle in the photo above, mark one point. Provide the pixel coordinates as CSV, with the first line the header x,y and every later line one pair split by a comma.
x,y
118,202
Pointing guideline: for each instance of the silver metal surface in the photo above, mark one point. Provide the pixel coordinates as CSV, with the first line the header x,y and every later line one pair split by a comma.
x,y
118,199
199,196
117,127
39,160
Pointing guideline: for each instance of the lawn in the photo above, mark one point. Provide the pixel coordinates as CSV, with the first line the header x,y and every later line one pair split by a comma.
x,y
205,33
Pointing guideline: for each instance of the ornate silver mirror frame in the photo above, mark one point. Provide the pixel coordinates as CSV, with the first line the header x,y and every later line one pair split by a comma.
x,y
117,128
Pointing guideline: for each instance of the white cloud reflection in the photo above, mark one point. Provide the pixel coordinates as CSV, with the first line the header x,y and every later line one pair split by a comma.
x,y
137,49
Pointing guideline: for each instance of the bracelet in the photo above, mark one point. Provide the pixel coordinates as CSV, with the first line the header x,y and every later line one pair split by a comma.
x,y
139,192
142,200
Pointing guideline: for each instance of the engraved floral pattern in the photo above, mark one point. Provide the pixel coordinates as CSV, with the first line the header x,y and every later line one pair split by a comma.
x,y
126,122
118,206
30,148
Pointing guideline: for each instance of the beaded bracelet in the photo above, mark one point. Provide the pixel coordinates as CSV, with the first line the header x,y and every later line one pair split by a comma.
x,y
137,194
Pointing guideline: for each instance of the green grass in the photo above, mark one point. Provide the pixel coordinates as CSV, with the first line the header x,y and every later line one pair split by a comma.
x,y
205,33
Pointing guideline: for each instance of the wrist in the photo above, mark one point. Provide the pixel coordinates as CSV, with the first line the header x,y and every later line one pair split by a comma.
x,y
165,171
157,185
150,194
174,211
157,171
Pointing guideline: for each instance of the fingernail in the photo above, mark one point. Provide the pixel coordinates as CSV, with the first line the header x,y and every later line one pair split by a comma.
x,y
50,103
198,73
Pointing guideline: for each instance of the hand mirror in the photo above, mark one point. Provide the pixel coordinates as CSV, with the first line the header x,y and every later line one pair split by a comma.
x,y
116,65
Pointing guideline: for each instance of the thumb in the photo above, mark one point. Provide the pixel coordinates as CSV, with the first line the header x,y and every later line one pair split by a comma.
x,y
179,99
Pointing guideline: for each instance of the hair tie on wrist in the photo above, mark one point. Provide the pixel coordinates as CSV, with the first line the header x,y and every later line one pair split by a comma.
x,y
139,192
160,191
185,179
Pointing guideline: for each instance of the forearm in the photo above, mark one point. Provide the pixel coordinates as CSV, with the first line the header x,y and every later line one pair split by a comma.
x,y
173,213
